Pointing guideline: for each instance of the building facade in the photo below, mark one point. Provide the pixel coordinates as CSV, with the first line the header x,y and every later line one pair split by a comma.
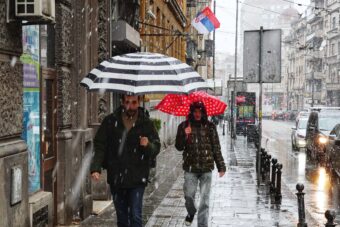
x,y
314,57
47,121
197,44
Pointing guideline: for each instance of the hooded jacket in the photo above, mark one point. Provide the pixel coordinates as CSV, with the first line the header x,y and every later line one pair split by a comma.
x,y
201,149
119,150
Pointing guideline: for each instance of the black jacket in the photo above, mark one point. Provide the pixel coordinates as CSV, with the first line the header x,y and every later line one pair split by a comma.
x,y
119,151
201,149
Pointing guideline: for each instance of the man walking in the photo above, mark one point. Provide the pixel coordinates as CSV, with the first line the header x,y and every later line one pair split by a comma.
x,y
125,144
198,138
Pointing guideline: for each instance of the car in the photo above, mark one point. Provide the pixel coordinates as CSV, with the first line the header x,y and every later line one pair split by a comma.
x,y
319,125
301,114
333,152
299,134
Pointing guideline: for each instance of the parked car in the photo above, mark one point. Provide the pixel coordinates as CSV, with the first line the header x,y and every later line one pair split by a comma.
x,y
299,134
278,115
320,123
333,152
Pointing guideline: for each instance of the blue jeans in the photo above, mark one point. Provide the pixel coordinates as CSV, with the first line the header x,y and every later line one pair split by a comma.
x,y
191,181
128,204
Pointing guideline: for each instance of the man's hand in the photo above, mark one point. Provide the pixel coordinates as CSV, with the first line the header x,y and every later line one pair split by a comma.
x,y
144,141
95,176
187,130
221,174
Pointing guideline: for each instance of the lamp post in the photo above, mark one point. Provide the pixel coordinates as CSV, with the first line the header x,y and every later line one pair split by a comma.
x,y
233,133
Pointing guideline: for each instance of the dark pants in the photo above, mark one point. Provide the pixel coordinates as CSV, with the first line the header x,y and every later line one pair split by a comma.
x,y
128,204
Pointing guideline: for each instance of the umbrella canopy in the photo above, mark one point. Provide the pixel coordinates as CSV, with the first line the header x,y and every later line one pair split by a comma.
x,y
144,73
179,105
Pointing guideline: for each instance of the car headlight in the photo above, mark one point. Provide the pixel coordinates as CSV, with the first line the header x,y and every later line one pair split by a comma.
x,y
323,140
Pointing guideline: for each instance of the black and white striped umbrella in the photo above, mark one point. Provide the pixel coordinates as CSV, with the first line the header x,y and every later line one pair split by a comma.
x,y
144,73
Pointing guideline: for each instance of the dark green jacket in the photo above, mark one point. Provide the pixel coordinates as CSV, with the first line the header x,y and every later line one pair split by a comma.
x,y
119,151
201,149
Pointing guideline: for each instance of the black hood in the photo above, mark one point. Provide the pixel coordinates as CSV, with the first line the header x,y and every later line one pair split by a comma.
x,y
198,105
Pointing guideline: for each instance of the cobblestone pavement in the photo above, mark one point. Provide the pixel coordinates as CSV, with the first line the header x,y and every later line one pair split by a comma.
x,y
235,199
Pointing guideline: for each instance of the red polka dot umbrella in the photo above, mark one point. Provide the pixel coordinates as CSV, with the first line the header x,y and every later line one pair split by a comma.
x,y
179,105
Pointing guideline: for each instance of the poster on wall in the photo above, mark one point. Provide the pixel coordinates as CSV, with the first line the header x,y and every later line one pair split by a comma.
x,y
31,103
31,134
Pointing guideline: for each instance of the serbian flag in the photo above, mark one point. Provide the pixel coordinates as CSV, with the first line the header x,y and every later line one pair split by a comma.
x,y
205,21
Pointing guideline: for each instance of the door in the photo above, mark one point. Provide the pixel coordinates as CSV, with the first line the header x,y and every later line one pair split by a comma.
x,y
48,132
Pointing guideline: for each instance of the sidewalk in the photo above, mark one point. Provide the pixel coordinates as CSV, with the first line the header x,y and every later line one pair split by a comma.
x,y
235,199
167,171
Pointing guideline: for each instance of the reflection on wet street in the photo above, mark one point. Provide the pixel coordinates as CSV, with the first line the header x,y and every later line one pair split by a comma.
x,y
321,192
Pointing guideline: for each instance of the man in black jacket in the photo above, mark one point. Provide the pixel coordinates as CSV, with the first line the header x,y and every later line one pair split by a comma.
x,y
198,139
125,144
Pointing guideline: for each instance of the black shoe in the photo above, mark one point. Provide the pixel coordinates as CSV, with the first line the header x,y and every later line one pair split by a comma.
x,y
189,219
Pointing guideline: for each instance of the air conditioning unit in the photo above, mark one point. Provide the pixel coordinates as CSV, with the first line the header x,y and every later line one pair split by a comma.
x,y
32,10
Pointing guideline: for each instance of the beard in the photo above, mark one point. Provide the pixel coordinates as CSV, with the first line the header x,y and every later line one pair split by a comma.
x,y
131,113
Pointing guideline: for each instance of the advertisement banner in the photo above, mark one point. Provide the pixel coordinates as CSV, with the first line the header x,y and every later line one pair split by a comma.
x,y
31,103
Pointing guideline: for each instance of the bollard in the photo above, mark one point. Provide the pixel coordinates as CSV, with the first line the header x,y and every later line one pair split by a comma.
x,y
330,215
269,157
301,205
278,196
273,180
263,165
223,129
259,154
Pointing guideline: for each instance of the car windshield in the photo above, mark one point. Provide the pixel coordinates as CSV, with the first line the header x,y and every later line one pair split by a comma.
x,y
328,123
302,124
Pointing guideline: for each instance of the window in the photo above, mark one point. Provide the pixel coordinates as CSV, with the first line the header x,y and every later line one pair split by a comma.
x,y
332,49
333,22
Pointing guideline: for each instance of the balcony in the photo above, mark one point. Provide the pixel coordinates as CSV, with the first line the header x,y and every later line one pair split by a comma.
x,y
332,87
316,76
316,96
331,2
312,18
123,35
333,59
333,33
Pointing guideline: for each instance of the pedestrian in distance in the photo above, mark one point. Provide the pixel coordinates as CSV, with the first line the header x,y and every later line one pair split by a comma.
x,y
124,145
198,139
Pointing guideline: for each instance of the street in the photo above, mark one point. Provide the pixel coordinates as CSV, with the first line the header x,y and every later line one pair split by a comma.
x,y
321,194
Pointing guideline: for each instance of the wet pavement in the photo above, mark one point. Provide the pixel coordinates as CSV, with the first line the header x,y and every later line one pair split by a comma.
x,y
235,199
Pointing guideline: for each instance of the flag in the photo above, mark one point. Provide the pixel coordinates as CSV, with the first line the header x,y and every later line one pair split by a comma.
x,y
205,21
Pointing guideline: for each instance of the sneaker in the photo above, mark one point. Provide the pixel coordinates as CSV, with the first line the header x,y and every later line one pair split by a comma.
x,y
189,219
